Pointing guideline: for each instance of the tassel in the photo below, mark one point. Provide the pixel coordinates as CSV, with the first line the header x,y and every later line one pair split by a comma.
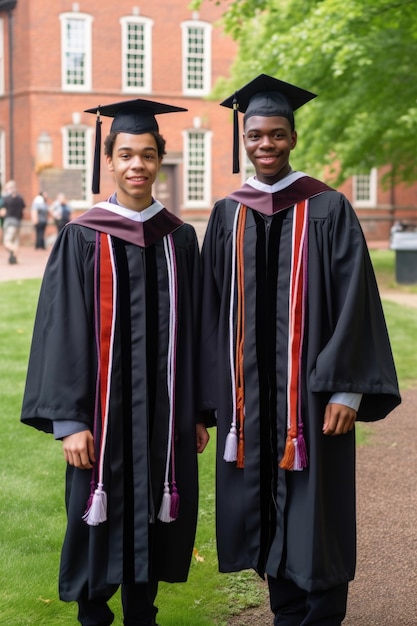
x,y
240,339
230,448
240,462
302,458
287,461
164,514
97,156
236,167
90,499
97,513
175,502
168,511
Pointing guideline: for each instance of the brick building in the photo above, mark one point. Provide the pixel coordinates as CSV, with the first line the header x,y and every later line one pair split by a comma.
x,y
59,58
379,207
69,56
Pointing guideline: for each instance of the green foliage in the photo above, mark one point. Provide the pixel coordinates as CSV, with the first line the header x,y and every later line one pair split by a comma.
x,y
359,57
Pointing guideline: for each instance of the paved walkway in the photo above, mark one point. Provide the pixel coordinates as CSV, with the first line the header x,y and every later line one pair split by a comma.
x,y
32,264
384,590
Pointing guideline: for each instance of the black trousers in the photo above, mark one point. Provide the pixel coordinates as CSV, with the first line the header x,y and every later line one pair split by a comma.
x,y
293,606
40,236
137,601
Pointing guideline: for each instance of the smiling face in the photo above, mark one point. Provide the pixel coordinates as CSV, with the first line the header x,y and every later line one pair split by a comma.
x,y
135,164
268,143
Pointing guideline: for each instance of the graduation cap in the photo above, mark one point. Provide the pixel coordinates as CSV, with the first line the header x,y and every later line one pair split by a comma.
x,y
265,96
135,117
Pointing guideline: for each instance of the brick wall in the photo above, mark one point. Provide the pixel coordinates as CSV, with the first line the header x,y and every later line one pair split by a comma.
x,y
41,106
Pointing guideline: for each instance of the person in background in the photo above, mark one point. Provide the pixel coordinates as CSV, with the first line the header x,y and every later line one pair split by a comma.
x,y
294,350
61,211
39,216
112,373
13,208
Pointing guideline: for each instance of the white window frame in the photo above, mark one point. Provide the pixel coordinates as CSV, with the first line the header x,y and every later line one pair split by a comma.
x,y
87,166
86,51
205,57
2,59
371,201
147,24
205,168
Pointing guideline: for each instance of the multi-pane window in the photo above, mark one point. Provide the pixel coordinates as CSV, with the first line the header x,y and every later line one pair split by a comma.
x,y
76,51
76,155
365,189
195,58
197,168
136,53
196,63
362,187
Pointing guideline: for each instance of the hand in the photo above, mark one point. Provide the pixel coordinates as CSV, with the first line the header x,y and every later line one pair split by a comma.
x,y
202,437
79,449
338,419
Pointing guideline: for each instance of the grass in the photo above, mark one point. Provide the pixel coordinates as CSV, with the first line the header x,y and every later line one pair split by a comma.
x,y
384,265
401,321
32,516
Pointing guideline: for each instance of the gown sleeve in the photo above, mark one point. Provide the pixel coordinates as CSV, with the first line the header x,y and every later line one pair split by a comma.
x,y
61,373
357,355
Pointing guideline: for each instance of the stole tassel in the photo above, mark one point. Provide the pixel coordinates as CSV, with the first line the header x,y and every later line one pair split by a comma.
x,y
169,509
240,461
301,458
175,502
230,448
90,499
97,513
164,514
295,453
234,449
240,338
287,461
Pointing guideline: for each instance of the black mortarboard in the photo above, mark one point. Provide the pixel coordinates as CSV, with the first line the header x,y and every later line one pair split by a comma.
x,y
265,96
135,117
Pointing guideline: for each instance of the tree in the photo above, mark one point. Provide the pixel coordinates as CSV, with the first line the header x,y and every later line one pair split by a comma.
x,y
359,57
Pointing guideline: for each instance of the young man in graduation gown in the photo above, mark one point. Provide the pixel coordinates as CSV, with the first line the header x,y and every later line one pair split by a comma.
x,y
294,351
111,373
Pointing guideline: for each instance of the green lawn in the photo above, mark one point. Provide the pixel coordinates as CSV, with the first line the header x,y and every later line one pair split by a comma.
x,y
401,320
32,517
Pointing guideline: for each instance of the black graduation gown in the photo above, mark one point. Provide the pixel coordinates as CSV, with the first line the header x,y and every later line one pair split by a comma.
x,y
132,544
300,523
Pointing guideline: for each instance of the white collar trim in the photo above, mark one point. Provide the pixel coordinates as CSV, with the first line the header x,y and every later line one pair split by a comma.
x,y
278,186
135,216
